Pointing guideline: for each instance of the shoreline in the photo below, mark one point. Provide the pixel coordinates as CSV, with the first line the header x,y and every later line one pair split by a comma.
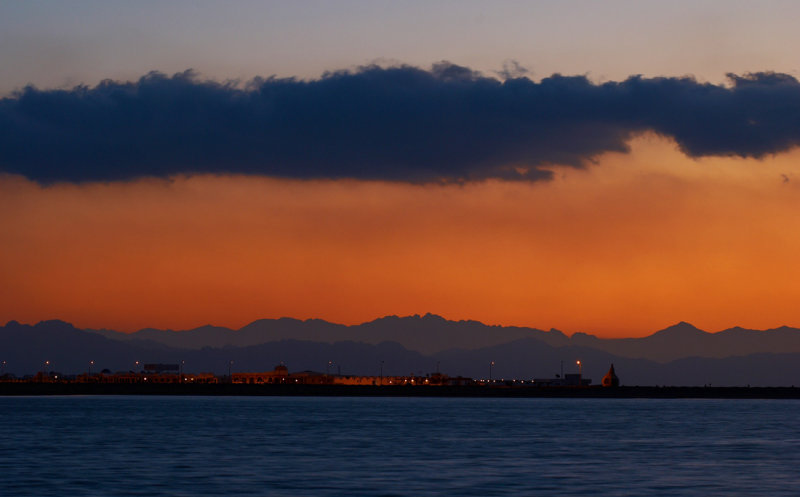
x,y
45,389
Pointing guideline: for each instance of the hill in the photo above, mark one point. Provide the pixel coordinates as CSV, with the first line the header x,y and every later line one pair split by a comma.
x,y
676,354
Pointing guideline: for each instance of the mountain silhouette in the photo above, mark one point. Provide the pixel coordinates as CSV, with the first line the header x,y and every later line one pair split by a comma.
x,y
683,340
678,355
427,334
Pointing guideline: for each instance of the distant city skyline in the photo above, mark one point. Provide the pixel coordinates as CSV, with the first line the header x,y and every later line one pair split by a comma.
x,y
595,202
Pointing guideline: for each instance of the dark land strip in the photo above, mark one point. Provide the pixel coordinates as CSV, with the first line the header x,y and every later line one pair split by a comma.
x,y
18,389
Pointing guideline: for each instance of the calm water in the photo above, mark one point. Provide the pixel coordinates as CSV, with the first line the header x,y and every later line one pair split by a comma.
x,y
73,446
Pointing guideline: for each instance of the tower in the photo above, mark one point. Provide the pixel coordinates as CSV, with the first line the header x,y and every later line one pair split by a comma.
x,y
610,379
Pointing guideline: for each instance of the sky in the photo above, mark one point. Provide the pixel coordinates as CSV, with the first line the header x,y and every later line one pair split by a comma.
x,y
603,167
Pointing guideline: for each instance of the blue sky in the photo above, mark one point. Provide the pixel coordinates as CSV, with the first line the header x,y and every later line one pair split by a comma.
x,y
60,44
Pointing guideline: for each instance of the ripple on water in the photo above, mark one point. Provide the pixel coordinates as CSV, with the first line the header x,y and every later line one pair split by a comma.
x,y
396,446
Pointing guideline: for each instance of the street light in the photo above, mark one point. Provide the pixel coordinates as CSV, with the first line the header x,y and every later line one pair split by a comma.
x,y
491,364
330,365
181,371
91,363
580,368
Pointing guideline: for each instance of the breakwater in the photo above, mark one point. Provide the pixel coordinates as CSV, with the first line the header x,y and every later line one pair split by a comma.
x,y
222,389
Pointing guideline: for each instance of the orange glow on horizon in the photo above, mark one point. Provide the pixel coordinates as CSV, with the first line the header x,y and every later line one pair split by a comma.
x,y
632,244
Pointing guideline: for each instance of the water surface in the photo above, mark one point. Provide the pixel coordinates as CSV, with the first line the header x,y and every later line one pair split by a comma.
x,y
323,446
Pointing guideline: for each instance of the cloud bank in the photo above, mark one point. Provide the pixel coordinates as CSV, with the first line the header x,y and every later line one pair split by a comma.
x,y
446,124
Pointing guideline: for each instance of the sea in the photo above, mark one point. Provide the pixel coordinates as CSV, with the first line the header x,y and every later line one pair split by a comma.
x,y
370,446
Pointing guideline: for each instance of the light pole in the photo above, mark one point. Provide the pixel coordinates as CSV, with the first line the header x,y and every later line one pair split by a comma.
x,y
181,371
3,371
491,365
91,363
580,368
136,368
381,383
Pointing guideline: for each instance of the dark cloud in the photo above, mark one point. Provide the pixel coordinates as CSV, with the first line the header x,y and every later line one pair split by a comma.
x,y
512,69
403,123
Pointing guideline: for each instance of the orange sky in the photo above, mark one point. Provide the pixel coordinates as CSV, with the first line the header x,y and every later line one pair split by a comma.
x,y
632,244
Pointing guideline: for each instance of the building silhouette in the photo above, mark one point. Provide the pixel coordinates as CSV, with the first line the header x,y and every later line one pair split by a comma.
x,y
610,379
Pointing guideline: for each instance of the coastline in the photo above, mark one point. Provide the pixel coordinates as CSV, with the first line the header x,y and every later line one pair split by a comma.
x,y
644,392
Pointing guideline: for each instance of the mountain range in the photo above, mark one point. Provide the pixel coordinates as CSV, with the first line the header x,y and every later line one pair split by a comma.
x,y
678,355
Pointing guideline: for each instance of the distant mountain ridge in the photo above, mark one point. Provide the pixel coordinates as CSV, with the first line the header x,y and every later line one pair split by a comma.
x,y
426,334
683,340
431,334
677,355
